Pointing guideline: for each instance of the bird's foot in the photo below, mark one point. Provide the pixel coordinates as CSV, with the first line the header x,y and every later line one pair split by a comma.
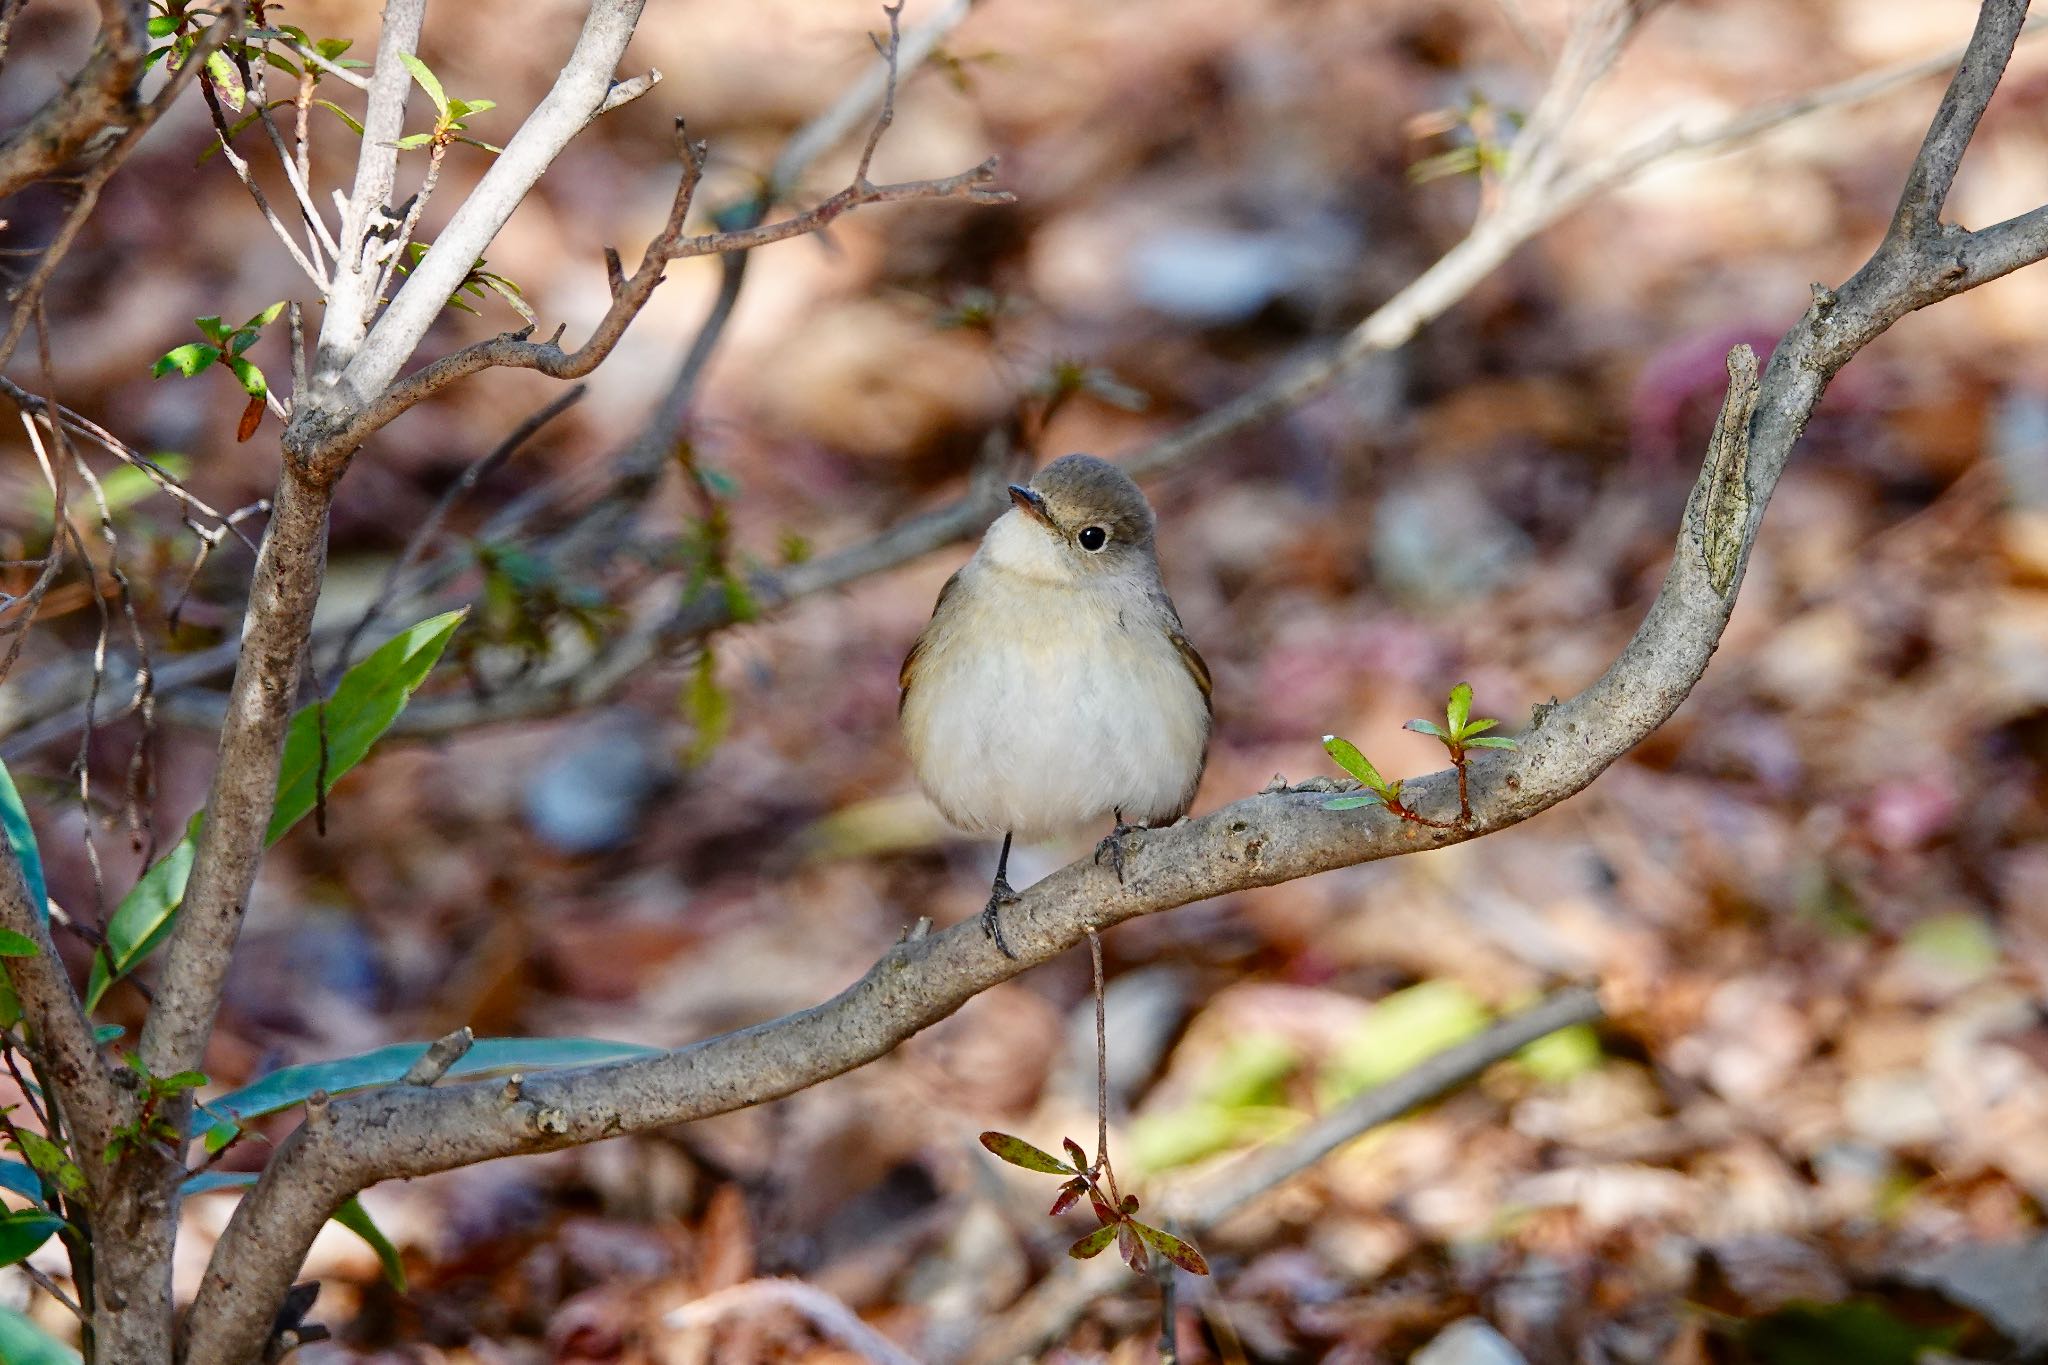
x,y
1112,845
999,896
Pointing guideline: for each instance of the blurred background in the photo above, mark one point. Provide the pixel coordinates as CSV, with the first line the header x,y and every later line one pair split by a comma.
x,y
1816,902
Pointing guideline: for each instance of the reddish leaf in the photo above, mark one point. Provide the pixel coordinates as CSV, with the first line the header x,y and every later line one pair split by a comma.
x,y
1092,1244
1069,1194
1130,1248
1182,1254
252,417
1018,1152
1080,1157
1130,1204
1104,1214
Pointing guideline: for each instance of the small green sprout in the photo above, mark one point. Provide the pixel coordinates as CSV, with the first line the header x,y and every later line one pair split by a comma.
x,y
1112,1208
449,113
225,344
1459,733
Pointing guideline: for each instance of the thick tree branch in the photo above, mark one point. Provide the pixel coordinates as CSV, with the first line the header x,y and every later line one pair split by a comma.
x,y
1270,838
106,93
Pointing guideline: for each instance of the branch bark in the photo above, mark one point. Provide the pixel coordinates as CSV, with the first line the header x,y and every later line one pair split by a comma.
x,y
106,93
408,1131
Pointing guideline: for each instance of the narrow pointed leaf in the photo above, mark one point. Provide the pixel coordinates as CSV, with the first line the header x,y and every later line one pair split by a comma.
x,y
1354,802
266,317
1182,1254
1075,1154
1460,709
365,703
1479,727
293,1085
354,124
1018,1152
1426,727
226,80
356,1219
1093,1243
1070,1194
429,82
1352,761
21,837
1490,742
252,378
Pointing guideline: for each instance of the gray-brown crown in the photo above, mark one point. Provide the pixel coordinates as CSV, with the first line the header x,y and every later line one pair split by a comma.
x,y
1082,490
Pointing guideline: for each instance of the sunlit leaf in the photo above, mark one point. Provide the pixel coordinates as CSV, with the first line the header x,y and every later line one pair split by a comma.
x,y
412,141
1479,727
365,703
1460,709
1490,742
228,81
428,81
1352,761
1426,727
1018,1152
187,360
48,1160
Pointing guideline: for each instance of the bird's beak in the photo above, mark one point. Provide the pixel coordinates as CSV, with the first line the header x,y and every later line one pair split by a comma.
x,y
1031,503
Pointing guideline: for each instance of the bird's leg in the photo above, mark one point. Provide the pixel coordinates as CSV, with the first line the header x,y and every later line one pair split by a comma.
x,y
999,895
1113,845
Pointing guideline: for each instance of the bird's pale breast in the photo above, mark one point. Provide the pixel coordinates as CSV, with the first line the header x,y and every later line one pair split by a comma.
x,y
1037,708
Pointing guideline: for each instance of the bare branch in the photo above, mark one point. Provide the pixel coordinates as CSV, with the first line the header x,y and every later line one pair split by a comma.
x,y
104,94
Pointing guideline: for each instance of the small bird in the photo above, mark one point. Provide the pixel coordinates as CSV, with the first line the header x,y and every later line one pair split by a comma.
x,y
1054,683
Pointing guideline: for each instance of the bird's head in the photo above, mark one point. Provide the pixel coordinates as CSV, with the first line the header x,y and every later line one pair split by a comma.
x,y
1080,519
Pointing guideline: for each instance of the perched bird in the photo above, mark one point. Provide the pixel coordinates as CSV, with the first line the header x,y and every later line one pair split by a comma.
x,y
1054,684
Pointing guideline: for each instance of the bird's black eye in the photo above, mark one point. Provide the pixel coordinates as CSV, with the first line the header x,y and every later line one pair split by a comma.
x,y
1093,538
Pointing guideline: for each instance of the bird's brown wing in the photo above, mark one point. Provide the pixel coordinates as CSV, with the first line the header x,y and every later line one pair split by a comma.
x,y
1197,669
908,673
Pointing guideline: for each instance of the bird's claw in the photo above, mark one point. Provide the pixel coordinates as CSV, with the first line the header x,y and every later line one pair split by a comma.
x,y
1113,845
999,896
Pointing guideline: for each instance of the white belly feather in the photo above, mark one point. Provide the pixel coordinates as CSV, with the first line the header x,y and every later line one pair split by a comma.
x,y
1037,708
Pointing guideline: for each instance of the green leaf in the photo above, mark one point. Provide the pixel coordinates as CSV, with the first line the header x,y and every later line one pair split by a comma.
x,y
1353,762
1560,1056
282,63
1018,1152
24,1343
48,1160
20,1178
354,126
21,838
1490,742
293,1085
187,360
1479,727
251,377
226,79
1093,1243
464,108
708,706
1859,1330
21,1232
1460,709
332,48
1403,1030
264,318
1426,727
356,1219
428,82
212,329
1172,1248
1354,802
106,1033
413,140
162,25
365,703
